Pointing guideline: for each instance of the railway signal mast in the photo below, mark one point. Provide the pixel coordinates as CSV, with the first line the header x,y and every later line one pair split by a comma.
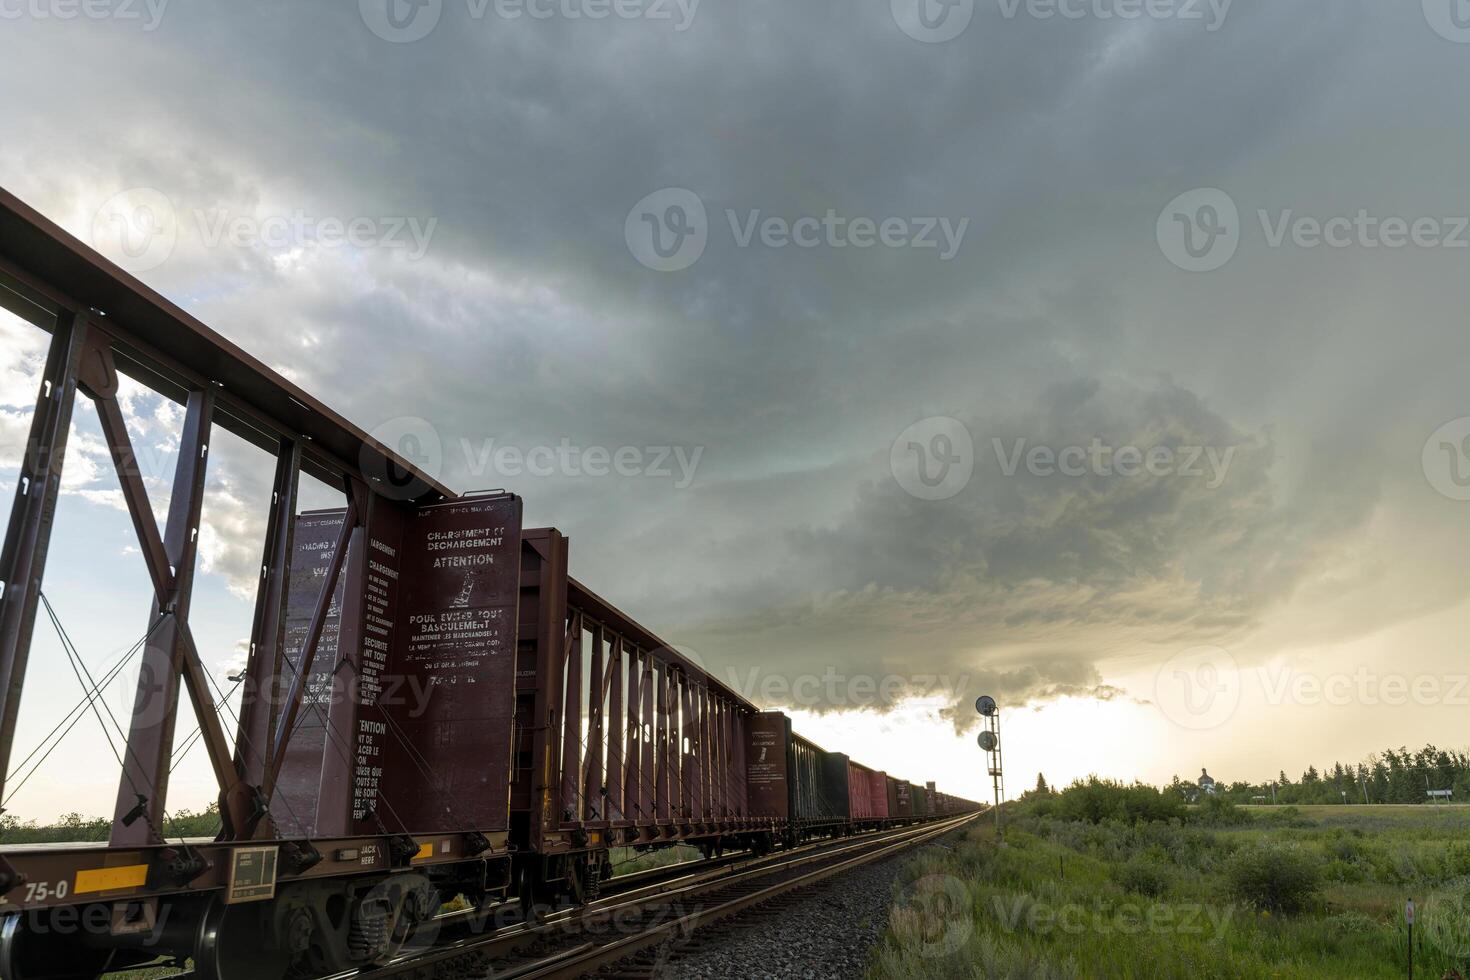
x,y
989,740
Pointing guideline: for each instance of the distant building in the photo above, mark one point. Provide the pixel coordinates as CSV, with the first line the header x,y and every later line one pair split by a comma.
x,y
1207,786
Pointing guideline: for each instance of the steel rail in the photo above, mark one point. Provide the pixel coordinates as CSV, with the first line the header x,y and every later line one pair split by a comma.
x,y
593,957
508,940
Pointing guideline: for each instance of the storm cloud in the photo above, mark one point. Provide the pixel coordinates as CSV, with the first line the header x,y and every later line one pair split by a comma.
x,y
1315,375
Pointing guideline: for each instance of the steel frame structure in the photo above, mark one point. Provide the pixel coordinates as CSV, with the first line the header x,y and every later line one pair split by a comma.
x,y
613,737
654,753
650,749
103,323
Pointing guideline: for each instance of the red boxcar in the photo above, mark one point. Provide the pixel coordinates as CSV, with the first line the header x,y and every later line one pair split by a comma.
x,y
867,792
878,794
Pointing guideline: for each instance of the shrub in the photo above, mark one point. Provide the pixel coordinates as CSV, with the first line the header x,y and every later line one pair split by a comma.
x,y
1339,870
1142,877
1457,859
1345,848
1098,800
1219,812
1273,878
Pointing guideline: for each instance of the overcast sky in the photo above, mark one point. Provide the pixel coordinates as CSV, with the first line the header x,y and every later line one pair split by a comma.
x,y
1053,376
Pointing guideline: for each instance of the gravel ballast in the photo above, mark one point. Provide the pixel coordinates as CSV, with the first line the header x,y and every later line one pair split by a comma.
x,y
826,932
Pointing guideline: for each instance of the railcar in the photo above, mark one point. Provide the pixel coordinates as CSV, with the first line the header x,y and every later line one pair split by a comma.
x,y
920,798
867,792
433,706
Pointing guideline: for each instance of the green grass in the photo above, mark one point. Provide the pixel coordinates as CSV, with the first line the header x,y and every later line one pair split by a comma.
x,y
625,860
1071,899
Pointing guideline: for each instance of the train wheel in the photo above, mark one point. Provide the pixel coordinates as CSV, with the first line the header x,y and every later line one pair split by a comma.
x,y
233,944
35,947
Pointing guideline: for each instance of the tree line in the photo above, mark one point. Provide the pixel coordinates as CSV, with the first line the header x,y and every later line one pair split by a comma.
x,y
1392,776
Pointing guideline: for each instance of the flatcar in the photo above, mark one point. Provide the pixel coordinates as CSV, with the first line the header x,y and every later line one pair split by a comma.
x,y
433,706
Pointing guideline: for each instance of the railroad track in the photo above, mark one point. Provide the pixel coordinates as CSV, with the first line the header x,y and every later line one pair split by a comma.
x,y
620,933
636,914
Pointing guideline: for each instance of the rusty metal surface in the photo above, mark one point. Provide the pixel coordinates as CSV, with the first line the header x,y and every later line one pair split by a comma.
x,y
407,716
599,610
768,739
902,804
454,648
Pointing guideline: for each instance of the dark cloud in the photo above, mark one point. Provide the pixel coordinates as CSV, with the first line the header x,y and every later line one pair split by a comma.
x,y
1058,322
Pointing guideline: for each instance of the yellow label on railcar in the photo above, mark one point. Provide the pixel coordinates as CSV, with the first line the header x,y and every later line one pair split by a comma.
x,y
425,851
108,879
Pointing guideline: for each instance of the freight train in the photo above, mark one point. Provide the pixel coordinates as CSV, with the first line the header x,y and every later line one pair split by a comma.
x,y
433,706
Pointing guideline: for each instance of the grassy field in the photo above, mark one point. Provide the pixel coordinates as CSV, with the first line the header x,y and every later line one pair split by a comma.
x,y
1190,898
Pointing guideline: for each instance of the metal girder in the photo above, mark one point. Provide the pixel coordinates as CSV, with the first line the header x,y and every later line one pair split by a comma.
x,y
28,536
594,803
258,702
615,739
571,744
648,764
286,723
145,772
151,734
633,804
